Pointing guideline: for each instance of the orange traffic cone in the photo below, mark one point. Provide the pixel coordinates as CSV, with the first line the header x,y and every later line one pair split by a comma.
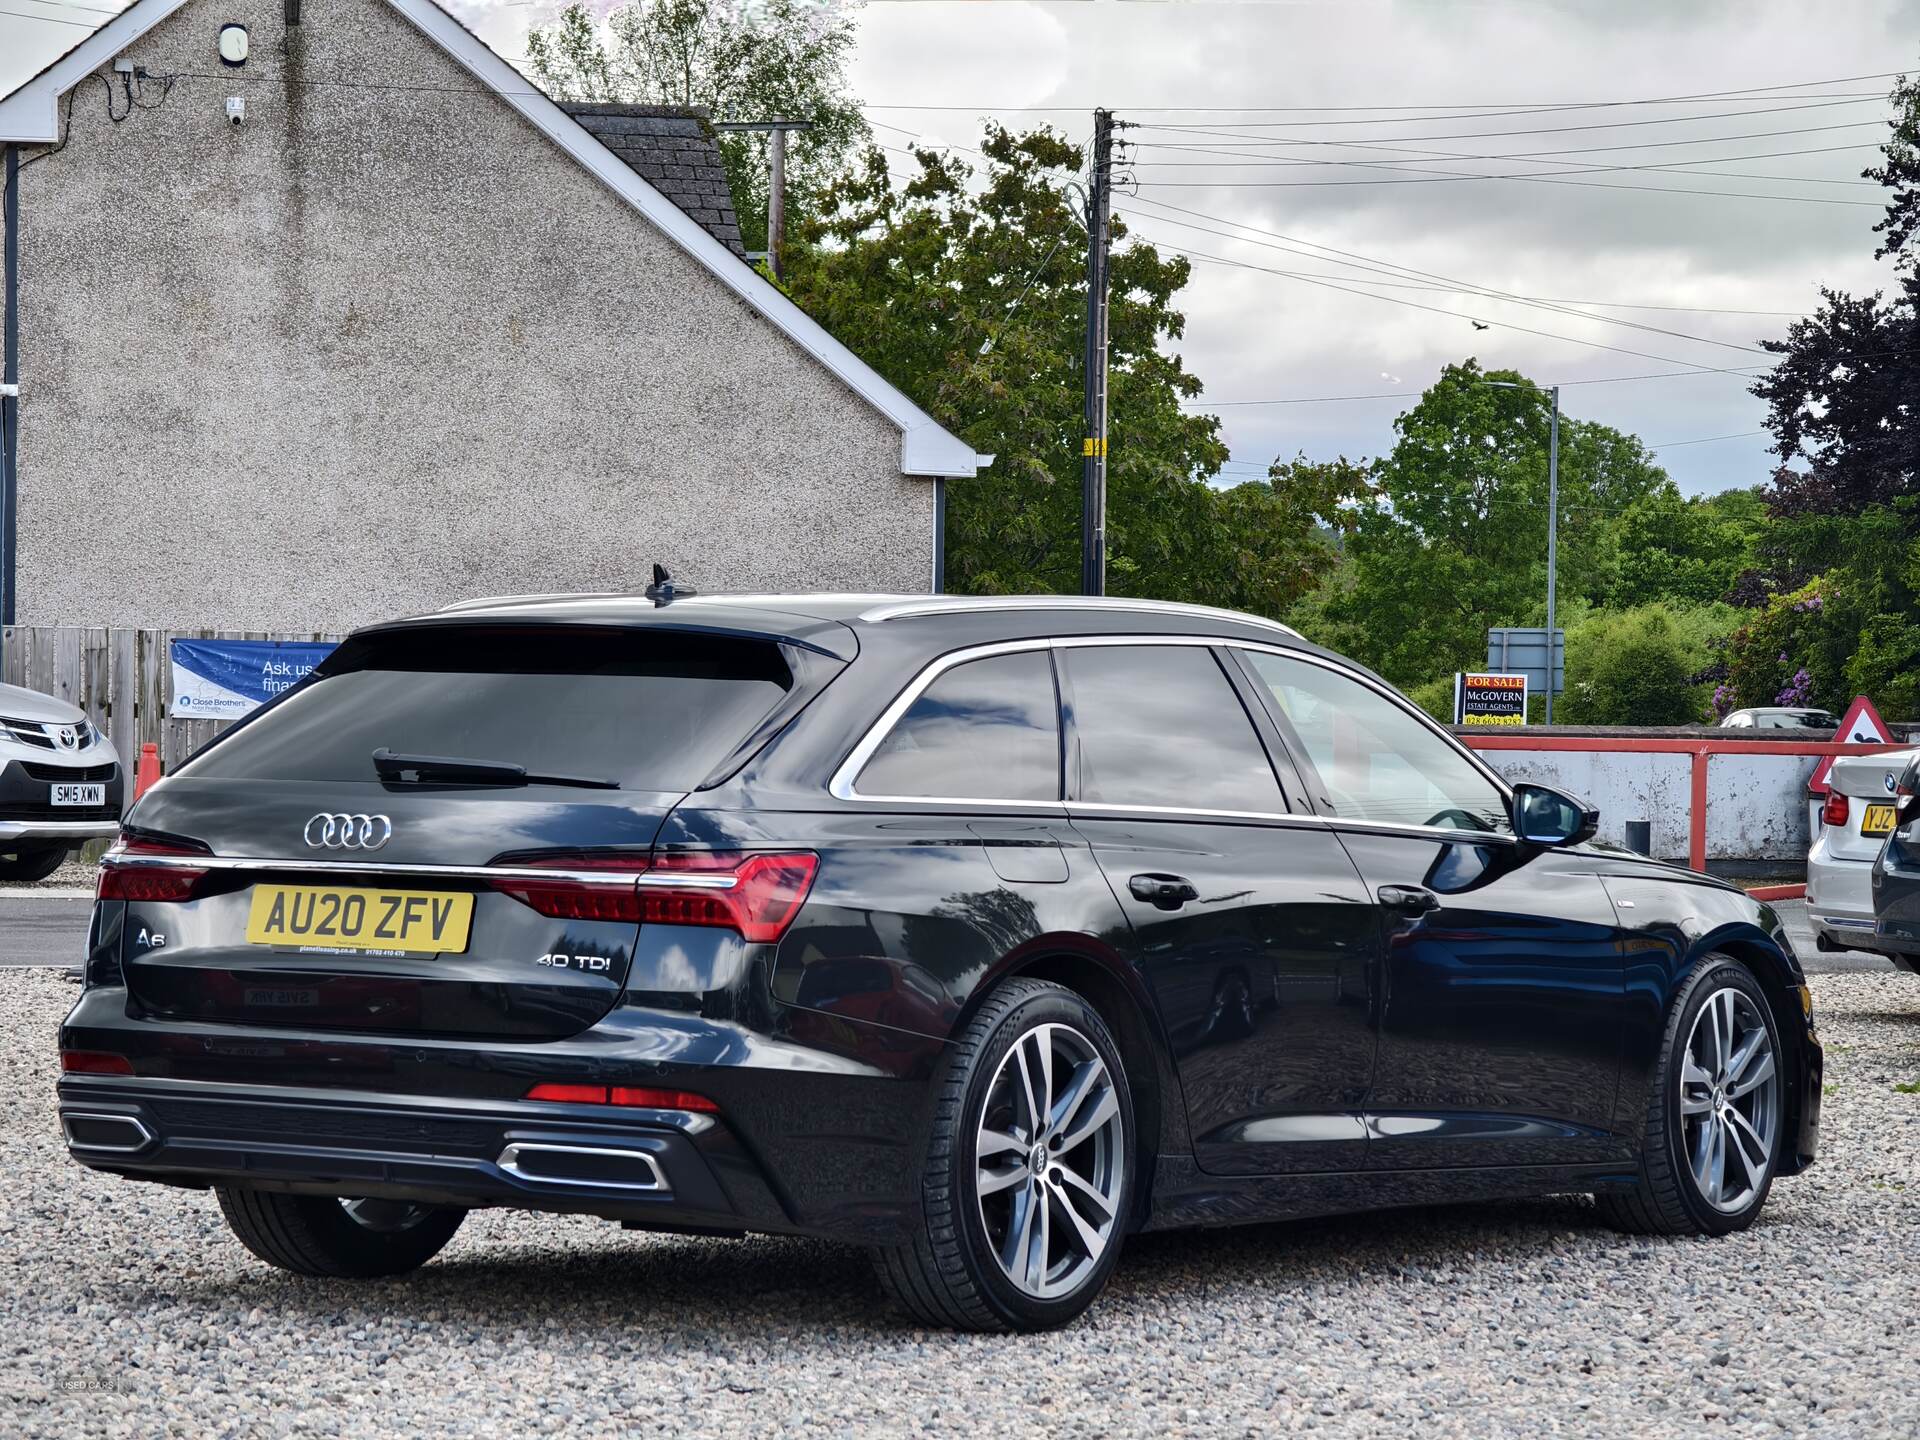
x,y
148,773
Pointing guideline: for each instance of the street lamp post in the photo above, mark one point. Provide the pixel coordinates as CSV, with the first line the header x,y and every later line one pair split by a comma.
x,y
1553,515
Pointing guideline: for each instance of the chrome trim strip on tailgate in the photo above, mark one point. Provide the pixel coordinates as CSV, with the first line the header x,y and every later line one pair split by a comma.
x,y
673,879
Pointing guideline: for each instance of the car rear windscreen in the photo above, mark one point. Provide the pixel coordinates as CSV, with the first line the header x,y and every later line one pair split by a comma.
x,y
650,710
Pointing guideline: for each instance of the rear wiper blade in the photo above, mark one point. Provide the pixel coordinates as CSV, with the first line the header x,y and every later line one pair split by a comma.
x,y
457,769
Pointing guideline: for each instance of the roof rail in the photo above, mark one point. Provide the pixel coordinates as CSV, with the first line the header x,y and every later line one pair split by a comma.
x,y
945,604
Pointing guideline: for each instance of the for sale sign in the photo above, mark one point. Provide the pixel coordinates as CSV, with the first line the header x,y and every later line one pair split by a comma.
x,y
1489,699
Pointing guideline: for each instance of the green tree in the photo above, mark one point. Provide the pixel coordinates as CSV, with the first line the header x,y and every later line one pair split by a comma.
x,y
967,291
770,60
1690,550
1452,538
1886,666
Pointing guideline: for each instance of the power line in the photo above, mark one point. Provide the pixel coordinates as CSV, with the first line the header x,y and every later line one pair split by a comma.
x,y
1247,154
1452,314
1463,289
1504,134
1682,167
1705,440
1517,107
1416,394
1361,262
1525,179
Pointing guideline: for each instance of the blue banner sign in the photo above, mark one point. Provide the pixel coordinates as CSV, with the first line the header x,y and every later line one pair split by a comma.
x,y
225,679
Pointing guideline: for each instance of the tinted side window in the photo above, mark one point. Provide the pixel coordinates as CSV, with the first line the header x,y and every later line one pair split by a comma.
x,y
1161,725
1375,760
985,730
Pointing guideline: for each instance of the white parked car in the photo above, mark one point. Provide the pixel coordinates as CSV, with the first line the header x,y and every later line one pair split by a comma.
x,y
61,783
1852,826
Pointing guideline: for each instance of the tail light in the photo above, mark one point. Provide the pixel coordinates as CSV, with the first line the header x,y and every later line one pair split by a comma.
x,y
1836,810
757,895
644,1097
600,887
124,877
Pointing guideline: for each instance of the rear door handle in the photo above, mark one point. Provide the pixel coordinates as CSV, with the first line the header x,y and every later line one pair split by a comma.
x,y
1166,892
1408,899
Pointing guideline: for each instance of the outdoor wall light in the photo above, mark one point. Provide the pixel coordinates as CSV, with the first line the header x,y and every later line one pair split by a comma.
x,y
233,44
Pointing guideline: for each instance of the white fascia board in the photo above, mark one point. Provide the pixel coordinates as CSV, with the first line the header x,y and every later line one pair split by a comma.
x,y
31,114
925,447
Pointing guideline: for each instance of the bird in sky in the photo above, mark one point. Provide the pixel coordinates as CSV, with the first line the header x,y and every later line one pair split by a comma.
x,y
1477,325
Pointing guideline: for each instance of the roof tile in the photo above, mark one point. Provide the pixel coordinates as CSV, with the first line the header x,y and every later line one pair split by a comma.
x,y
673,149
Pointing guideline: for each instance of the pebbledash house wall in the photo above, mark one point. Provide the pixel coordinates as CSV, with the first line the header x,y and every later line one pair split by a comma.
x,y
385,346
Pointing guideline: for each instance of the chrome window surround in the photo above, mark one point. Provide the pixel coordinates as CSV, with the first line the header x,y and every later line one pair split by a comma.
x,y
667,880
842,786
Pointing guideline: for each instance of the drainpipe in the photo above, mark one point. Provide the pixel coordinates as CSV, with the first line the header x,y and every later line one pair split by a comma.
x,y
10,385
939,535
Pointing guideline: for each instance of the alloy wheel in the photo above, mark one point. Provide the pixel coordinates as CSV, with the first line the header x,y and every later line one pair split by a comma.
x,y
1050,1161
1729,1100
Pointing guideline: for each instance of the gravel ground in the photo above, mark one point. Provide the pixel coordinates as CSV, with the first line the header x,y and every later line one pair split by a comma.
x,y
1490,1320
75,874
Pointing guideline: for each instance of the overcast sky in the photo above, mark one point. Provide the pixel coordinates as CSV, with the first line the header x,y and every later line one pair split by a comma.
x,y
1390,78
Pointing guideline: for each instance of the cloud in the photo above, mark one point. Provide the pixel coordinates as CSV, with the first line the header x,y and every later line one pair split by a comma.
x,y
1253,335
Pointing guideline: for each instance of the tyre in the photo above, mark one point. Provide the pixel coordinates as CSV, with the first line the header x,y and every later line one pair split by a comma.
x,y
1029,1170
1716,1115
32,862
327,1236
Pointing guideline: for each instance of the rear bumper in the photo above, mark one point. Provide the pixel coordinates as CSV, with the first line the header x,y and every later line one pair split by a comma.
x,y
669,1168
28,813
77,832
812,1136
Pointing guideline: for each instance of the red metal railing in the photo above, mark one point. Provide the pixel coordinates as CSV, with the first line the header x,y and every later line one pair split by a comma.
x,y
1700,748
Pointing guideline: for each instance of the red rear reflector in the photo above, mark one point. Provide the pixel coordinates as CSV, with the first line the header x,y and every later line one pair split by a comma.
x,y
1834,812
123,877
644,1097
94,1062
648,1098
572,1094
757,895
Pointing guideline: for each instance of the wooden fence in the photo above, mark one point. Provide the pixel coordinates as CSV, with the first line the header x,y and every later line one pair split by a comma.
x,y
121,678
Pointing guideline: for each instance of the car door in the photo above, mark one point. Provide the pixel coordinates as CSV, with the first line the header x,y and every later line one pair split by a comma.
x,y
1256,936
1504,1001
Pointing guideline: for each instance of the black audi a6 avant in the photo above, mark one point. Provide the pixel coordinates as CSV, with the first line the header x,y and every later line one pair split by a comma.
x,y
976,932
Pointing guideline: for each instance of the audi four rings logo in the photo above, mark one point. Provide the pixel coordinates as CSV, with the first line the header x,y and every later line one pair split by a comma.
x,y
348,832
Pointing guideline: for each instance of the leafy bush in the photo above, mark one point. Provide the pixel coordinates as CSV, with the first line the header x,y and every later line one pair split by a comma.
x,y
1436,698
1634,667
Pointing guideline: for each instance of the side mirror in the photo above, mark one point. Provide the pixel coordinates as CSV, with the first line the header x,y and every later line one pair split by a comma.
x,y
1545,816
1906,794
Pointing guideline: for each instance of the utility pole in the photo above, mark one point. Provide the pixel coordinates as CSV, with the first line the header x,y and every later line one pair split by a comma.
x,y
776,202
1553,534
1553,518
776,131
1093,449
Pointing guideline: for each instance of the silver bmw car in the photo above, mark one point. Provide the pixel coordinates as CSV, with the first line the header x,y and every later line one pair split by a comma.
x,y
61,783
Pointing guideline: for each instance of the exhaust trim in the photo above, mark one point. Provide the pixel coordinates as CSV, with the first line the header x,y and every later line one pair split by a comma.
x,y
67,1117
509,1161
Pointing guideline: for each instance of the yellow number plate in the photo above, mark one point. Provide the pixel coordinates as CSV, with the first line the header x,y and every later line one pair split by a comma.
x,y
1877,821
322,918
